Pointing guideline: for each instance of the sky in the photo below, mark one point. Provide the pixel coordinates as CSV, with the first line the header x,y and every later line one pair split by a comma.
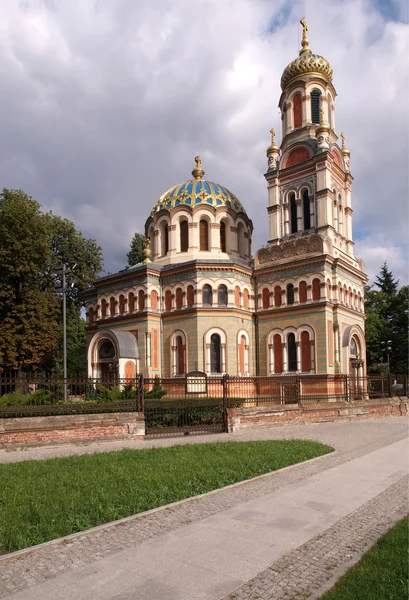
x,y
105,103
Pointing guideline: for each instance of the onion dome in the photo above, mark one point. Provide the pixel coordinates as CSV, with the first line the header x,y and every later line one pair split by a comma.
x,y
306,63
198,191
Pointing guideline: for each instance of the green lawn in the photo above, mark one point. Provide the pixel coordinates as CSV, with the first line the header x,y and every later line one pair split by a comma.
x,y
381,574
43,500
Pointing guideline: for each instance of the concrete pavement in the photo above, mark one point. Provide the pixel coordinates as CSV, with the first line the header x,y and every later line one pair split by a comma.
x,y
226,544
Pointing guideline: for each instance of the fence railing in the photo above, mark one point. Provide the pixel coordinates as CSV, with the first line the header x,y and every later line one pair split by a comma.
x,y
40,396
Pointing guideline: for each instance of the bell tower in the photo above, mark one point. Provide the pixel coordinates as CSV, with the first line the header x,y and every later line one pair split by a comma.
x,y
309,180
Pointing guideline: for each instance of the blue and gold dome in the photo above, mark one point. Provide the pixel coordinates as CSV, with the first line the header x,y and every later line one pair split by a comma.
x,y
198,191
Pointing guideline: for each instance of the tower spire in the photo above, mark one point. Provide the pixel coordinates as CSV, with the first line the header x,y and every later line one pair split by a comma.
x,y
198,171
305,48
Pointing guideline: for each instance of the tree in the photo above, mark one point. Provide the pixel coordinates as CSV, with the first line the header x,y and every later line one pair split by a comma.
x,y
135,254
386,311
33,245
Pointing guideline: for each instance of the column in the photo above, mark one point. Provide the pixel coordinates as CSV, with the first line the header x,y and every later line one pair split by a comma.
x,y
246,360
336,338
300,217
174,361
312,347
208,358
270,359
148,348
298,347
223,357
285,361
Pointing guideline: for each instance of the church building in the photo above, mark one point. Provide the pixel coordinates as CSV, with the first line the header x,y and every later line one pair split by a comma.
x,y
201,301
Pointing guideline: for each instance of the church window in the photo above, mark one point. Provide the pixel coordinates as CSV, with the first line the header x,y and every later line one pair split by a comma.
x,y
292,352
241,240
277,296
237,297
222,295
266,298
278,354
306,210
328,289
246,298
204,234
121,304
223,246
180,356
297,111
112,307
151,236
131,302
164,238
305,352
184,236
293,214
290,293
91,316
168,300
190,295
106,350
141,300
215,351
302,291
179,298
207,295
154,300
316,289
242,355
315,106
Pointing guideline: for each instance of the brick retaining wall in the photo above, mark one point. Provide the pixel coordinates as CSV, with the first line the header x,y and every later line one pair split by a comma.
x,y
41,431
262,416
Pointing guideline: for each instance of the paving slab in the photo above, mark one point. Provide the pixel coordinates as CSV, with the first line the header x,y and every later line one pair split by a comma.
x,y
204,548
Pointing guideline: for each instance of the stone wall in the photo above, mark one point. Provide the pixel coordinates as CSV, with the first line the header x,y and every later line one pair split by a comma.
x,y
264,416
40,431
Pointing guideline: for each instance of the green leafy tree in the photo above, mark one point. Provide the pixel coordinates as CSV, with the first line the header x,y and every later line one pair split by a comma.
x,y
386,311
33,245
135,254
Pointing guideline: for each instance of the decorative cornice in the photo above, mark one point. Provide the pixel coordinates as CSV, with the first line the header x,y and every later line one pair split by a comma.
x,y
297,248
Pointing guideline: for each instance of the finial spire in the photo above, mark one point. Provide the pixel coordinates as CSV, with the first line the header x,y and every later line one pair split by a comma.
x,y
273,135
198,171
343,140
305,48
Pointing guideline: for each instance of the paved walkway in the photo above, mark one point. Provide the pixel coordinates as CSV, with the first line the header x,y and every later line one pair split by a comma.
x,y
288,534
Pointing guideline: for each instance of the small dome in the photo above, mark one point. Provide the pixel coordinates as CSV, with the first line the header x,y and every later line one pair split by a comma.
x,y
198,191
306,62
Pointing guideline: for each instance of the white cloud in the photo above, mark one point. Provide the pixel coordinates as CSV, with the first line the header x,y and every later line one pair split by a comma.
x,y
105,104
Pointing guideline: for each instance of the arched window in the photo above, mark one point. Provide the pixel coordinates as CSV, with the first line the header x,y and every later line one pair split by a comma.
x,y
302,291
246,297
316,289
297,111
293,214
237,297
340,216
315,106
179,298
204,234
180,356
305,352
292,352
151,235
290,293
266,297
190,295
339,292
223,245
278,354
154,300
306,210
106,350
328,289
241,240
277,296
184,236
242,355
222,295
207,295
112,307
359,301
91,316
141,300
164,234
131,302
121,304
215,353
168,300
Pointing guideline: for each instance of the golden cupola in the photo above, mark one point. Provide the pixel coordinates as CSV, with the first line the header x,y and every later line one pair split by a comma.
x,y
306,63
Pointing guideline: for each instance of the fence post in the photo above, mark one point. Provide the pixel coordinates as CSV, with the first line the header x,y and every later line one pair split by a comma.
x,y
389,386
225,381
346,387
141,396
297,389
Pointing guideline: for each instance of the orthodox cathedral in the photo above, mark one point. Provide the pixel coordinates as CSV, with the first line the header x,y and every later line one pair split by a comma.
x,y
200,301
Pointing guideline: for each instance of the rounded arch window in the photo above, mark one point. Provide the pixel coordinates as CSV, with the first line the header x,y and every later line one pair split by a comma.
x,y
306,210
315,105
207,295
277,296
121,304
223,237
204,234
292,352
112,305
168,300
297,110
302,291
266,297
237,297
179,298
215,353
164,234
246,298
141,300
293,214
290,293
316,289
154,300
190,295
222,295
103,309
131,302
184,236
106,350
353,347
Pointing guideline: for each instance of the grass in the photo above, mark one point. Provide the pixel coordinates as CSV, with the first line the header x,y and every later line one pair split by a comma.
x,y
44,500
381,574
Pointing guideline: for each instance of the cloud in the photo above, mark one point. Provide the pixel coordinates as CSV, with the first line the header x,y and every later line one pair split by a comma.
x,y
105,103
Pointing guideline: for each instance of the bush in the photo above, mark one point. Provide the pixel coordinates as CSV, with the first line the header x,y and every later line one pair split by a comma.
x,y
17,398
157,392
